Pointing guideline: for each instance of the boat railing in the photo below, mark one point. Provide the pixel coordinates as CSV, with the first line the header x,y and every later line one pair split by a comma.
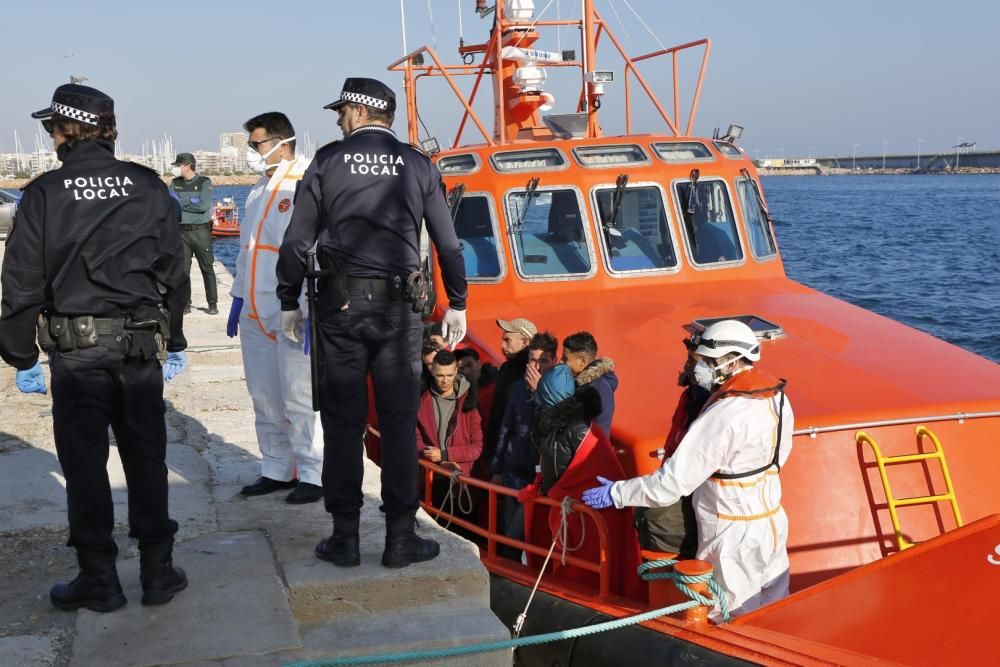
x,y
413,67
494,538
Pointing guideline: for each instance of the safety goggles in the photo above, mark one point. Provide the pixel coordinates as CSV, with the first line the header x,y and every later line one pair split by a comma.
x,y
257,144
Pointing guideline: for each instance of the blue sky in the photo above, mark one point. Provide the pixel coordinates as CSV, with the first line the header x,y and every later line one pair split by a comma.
x,y
799,75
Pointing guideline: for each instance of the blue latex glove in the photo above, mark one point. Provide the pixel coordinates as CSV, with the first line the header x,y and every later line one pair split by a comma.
x,y
599,497
233,325
305,348
176,362
31,381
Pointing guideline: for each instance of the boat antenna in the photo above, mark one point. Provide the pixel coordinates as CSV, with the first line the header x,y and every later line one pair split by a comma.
x,y
455,201
430,17
402,20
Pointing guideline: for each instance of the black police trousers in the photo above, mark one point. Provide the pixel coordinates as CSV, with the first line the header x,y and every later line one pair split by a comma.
x,y
198,241
377,335
91,390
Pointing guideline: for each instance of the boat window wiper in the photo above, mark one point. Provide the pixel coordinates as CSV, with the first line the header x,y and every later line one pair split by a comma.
x,y
455,201
760,198
692,207
529,192
611,226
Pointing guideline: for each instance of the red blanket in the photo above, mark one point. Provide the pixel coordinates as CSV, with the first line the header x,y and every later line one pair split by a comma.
x,y
594,457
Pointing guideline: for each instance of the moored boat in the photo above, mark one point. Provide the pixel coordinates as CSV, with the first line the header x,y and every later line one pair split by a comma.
x,y
225,218
642,239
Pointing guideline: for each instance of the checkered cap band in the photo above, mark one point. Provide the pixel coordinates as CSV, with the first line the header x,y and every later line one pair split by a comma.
x,y
367,100
75,114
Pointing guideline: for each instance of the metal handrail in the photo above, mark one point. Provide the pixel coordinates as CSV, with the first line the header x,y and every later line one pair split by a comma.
x,y
960,417
602,568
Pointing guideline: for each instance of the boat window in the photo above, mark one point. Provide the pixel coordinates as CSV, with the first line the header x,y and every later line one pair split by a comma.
x,y
607,156
548,233
475,228
639,239
458,164
683,151
728,149
709,225
761,239
534,160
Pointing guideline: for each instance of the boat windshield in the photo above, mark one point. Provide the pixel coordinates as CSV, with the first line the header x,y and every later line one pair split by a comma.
x,y
640,240
709,224
549,237
474,225
761,240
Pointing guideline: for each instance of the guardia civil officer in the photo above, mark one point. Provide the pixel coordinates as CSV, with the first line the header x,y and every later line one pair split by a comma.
x,y
362,202
95,251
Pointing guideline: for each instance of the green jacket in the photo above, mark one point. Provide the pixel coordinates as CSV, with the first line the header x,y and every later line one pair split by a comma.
x,y
195,197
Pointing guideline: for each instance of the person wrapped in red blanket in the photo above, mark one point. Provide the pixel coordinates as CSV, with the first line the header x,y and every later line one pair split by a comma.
x,y
573,450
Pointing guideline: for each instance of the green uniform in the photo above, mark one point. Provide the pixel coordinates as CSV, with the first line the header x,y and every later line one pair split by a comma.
x,y
195,196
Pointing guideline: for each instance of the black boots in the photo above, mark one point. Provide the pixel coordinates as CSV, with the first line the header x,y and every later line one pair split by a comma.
x,y
96,587
160,579
343,547
402,544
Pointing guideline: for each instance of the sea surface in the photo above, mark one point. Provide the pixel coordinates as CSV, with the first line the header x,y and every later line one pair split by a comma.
x,y
921,249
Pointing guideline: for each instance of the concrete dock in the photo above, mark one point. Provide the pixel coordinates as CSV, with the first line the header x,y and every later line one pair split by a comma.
x,y
257,594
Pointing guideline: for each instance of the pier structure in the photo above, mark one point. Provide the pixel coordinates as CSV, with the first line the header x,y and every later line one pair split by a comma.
x,y
940,161
257,595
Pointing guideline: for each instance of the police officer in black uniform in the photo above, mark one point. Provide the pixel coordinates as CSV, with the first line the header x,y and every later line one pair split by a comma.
x,y
94,252
362,201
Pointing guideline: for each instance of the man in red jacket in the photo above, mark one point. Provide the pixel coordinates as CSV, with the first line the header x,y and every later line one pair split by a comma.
x,y
449,428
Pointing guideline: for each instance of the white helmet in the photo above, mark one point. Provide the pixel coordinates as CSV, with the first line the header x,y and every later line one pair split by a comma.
x,y
729,336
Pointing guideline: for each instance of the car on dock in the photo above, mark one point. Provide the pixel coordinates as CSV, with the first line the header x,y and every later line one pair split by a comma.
x,y
8,205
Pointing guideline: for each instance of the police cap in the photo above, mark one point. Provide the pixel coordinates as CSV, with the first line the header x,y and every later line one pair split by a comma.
x,y
370,92
184,158
80,103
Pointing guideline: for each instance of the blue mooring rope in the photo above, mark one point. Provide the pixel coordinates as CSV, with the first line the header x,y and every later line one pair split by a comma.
x,y
680,581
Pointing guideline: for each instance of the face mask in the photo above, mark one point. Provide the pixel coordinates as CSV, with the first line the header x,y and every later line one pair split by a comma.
x,y
176,171
257,163
704,377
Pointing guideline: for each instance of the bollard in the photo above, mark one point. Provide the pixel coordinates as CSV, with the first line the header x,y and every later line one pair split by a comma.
x,y
662,592
694,568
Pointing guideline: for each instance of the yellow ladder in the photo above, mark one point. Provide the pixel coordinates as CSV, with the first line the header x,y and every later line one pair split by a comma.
x,y
892,501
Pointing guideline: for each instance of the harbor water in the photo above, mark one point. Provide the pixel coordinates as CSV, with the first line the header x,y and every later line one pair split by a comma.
x,y
923,250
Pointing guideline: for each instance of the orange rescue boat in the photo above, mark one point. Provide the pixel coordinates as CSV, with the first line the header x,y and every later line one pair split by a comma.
x,y
225,218
639,237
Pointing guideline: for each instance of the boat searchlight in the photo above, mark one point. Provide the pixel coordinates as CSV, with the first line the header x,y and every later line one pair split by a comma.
x,y
733,133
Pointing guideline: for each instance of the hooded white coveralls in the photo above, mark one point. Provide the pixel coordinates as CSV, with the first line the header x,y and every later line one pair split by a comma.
x,y
742,528
276,369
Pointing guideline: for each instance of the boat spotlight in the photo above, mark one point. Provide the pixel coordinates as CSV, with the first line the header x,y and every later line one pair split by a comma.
x,y
733,133
600,77
431,146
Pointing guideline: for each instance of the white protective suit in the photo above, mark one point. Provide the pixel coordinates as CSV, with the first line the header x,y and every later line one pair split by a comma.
x,y
277,370
742,528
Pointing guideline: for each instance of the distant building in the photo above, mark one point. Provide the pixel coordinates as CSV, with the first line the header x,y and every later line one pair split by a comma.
x,y
232,149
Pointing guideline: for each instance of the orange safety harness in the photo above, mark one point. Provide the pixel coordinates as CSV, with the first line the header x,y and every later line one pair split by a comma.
x,y
755,384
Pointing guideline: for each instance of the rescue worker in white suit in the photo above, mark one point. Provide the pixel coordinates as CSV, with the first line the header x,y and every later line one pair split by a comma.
x,y
276,368
730,458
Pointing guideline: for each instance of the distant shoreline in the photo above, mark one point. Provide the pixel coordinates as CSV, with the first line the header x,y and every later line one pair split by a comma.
x,y
831,171
231,179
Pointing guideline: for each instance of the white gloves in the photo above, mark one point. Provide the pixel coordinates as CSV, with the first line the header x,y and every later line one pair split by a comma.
x,y
453,327
292,324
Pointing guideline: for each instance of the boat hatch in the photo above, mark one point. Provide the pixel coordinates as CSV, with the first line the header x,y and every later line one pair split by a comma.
x,y
466,163
538,159
610,156
683,151
764,329
728,150
636,236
